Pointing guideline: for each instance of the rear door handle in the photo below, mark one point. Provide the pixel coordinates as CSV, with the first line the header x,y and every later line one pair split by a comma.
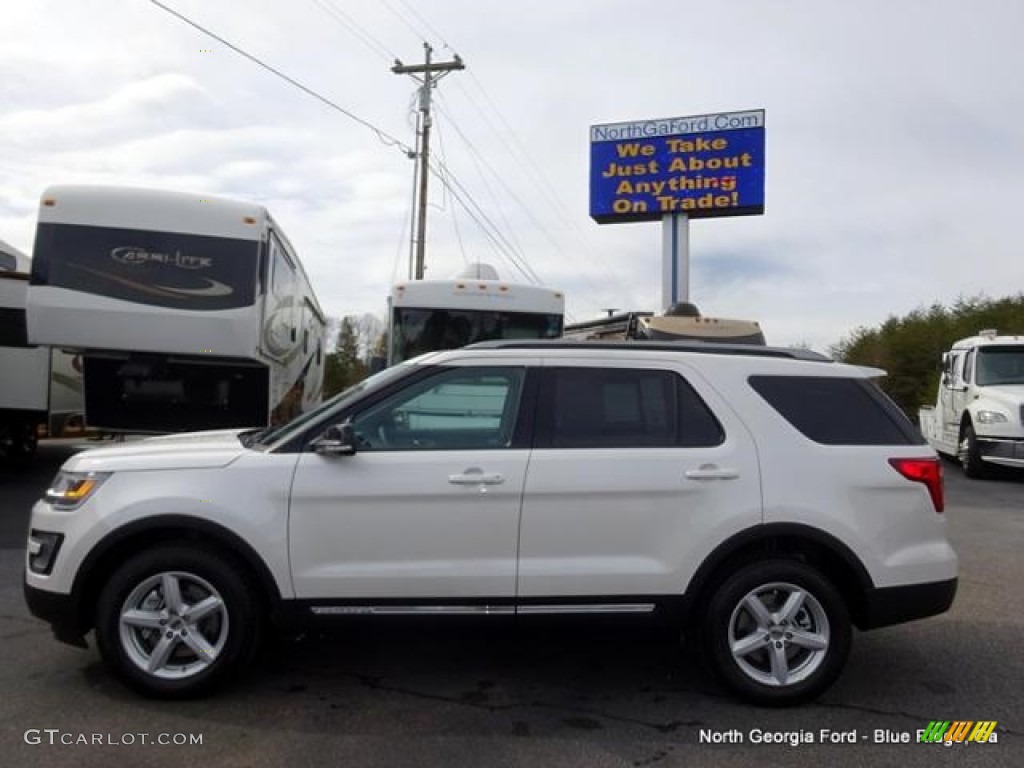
x,y
476,476
712,472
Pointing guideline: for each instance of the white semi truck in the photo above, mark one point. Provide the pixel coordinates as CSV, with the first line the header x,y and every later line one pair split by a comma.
x,y
978,415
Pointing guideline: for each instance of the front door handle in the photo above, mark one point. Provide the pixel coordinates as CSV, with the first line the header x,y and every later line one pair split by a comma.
x,y
712,472
476,476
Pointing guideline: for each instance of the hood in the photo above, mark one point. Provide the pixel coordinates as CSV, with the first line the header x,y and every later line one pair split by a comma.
x,y
1009,395
190,450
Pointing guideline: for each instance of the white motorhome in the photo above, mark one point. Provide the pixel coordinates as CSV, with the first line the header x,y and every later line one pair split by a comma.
x,y
39,387
474,305
188,311
978,415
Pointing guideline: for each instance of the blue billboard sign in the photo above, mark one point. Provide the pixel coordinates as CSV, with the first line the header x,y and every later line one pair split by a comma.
x,y
701,166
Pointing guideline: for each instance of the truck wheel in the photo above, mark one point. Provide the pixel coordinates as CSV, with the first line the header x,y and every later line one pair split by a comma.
x,y
970,455
777,632
176,620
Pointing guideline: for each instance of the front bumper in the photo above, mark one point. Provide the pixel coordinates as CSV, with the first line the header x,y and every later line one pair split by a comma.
x,y
1001,450
61,612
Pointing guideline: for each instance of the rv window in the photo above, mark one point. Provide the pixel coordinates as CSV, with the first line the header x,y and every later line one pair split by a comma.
x,y
161,269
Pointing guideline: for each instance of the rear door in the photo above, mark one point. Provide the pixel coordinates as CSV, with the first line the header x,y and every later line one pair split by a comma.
x,y
637,473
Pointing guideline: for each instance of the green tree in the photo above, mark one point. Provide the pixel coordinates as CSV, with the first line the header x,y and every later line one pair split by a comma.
x,y
344,365
910,348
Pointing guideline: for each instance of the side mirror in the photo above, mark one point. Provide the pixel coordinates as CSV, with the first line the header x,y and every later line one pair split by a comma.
x,y
337,440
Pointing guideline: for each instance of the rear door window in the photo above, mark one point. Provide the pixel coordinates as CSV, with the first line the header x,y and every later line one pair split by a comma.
x,y
623,408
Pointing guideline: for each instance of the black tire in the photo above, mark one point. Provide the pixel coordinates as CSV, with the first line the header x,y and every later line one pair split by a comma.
x,y
970,455
820,618
227,627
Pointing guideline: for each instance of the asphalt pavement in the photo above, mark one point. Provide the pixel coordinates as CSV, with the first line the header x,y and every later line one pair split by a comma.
x,y
500,696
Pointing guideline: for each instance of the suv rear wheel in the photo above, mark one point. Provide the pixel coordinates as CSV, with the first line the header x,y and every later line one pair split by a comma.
x,y
777,632
175,620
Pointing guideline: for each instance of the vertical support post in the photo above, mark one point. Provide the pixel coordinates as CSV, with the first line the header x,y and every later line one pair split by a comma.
x,y
431,72
424,171
675,259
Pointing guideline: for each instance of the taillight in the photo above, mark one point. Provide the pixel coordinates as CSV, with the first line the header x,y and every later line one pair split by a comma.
x,y
927,471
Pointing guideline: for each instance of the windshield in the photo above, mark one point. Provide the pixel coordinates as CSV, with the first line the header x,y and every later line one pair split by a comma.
x,y
415,331
268,435
1000,365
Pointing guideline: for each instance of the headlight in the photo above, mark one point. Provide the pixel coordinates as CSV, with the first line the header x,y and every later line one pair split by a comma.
x,y
69,490
992,417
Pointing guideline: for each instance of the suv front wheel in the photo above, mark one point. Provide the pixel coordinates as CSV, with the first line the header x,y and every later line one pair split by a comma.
x,y
176,620
969,454
777,632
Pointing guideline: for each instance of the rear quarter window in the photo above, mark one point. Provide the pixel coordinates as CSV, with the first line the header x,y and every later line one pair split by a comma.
x,y
837,411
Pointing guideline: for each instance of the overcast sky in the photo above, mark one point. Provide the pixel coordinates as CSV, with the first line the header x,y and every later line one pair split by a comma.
x,y
894,147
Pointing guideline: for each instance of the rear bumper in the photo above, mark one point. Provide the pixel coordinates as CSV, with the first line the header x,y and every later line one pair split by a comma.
x,y
895,605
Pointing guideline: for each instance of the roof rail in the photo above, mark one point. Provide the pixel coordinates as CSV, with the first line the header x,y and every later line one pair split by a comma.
x,y
702,347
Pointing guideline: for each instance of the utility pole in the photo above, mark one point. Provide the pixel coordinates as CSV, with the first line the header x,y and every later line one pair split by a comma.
x,y
431,72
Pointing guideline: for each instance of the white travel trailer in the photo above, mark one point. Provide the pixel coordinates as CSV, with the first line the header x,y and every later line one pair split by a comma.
x,y
24,369
189,312
475,305
681,322
38,386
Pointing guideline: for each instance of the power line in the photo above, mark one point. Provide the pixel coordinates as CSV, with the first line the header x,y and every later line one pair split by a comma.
x,y
384,137
444,187
461,195
405,21
525,161
409,25
482,164
357,30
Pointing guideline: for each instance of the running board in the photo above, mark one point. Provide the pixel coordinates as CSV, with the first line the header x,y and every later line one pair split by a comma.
x,y
481,610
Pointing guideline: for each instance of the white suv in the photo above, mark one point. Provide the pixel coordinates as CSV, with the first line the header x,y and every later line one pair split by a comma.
x,y
767,499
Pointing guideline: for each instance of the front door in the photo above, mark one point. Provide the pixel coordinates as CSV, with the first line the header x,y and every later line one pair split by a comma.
x,y
428,508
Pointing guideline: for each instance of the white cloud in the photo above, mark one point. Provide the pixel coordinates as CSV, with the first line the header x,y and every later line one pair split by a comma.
x,y
894,161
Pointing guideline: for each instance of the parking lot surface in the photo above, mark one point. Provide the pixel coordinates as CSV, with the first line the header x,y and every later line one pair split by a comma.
x,y
496,695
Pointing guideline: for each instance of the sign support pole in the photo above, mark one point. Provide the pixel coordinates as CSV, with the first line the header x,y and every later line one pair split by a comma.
x,y
675,259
